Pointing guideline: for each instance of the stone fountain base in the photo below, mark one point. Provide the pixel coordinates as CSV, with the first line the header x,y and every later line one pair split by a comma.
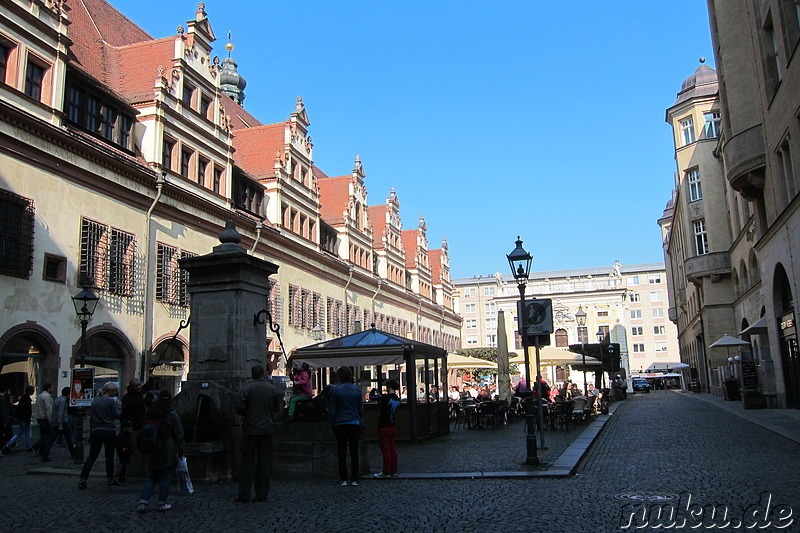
x,y
308,449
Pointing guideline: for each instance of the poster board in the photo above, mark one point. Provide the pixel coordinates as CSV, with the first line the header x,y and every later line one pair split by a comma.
x,y
81,391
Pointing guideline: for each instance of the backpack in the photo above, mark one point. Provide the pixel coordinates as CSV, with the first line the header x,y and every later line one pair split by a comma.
x,y
151,438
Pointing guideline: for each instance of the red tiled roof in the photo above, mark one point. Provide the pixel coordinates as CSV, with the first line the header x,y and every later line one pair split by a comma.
x,y
435,257
334,197
93,23
240,119
410,244
132,70
256,148
377,218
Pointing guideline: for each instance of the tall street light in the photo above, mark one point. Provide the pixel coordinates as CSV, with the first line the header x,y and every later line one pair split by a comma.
x,y
85,303
520,262
580,317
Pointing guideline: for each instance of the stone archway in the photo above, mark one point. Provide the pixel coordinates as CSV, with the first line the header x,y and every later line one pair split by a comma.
x,y
111,354
29,355
783,302
167,364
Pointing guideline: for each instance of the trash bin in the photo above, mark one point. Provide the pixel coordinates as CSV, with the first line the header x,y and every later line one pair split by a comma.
x,y
731,389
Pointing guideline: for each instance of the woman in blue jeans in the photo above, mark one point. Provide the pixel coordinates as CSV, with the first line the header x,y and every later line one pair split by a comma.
x,y
346,409
106,409
161,463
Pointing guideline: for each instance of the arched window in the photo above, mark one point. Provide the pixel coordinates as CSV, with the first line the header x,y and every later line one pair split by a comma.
x,y
562,341
21,364
168,363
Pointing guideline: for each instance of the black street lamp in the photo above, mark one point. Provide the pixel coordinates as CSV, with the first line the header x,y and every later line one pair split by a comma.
x,y
520,262
580,317
85,303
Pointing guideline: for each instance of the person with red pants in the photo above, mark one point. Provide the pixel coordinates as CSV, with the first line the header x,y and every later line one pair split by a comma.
x,y
389,403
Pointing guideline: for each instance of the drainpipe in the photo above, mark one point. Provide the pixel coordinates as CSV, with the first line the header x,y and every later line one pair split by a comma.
x,y
259,225
147,315
377,290
350,271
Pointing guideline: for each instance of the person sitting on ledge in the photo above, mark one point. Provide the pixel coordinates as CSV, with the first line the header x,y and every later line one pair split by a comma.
x,y
302,389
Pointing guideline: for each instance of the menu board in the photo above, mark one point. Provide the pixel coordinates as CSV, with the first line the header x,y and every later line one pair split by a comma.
x,y
749,375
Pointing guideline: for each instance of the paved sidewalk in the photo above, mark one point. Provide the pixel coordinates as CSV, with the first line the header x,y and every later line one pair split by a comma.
x,y
785,422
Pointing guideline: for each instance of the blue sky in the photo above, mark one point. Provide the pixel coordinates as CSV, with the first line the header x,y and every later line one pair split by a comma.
x,y
492,119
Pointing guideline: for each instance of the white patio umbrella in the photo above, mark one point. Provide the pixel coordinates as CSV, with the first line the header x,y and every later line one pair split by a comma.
x,y
503,378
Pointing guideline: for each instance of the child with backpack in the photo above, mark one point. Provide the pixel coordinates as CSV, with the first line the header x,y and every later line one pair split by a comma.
x,y
161,441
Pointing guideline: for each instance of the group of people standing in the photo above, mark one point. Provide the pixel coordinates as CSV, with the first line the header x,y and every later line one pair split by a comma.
x,y
259,401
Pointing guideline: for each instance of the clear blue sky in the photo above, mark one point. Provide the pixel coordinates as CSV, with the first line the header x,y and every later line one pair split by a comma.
x,y
492,119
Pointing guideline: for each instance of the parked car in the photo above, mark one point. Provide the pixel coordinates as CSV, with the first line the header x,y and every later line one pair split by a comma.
x,y
640,385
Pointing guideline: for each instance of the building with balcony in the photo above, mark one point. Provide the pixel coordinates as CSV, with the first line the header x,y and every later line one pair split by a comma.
x,y
758,100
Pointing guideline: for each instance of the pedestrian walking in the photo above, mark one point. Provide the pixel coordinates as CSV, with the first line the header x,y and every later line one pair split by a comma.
x,y
43,412
125,448
389,404
105,409
133,407
346,408
162,442
258,401
59,427
23,416
5,420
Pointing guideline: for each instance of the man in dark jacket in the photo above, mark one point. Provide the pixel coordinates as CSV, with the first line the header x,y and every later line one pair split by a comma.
x,y
257,403
133,408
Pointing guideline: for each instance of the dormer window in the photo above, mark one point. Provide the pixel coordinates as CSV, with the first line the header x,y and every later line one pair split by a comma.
x,y
205,106
34,76
98,114
5,54
188,94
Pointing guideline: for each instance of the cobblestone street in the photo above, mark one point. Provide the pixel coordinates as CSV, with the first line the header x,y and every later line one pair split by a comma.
x,y
658,444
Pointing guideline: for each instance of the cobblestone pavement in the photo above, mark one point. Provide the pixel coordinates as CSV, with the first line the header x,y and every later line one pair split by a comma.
x,y
654,446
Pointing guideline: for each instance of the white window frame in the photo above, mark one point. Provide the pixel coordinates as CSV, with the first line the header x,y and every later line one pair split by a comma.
x,y
469,308
636,314
657,312
687,131
638,347
488,291
695,190
659,330
660,347
637,331
489,308
656,296
471,340
634,297
712,126
471,323
700,236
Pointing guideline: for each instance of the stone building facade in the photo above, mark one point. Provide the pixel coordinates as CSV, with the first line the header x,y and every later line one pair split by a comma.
x,y
121,154
756,158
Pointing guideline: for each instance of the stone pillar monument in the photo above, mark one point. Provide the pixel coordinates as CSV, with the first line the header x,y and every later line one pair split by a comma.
x,y
227,337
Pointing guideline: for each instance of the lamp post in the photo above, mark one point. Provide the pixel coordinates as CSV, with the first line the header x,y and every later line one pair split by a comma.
x,y
85,303
520,262
580,317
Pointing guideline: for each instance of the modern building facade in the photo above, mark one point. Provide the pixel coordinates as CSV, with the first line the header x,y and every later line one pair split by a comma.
x,y
758,101
121,153
627,303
